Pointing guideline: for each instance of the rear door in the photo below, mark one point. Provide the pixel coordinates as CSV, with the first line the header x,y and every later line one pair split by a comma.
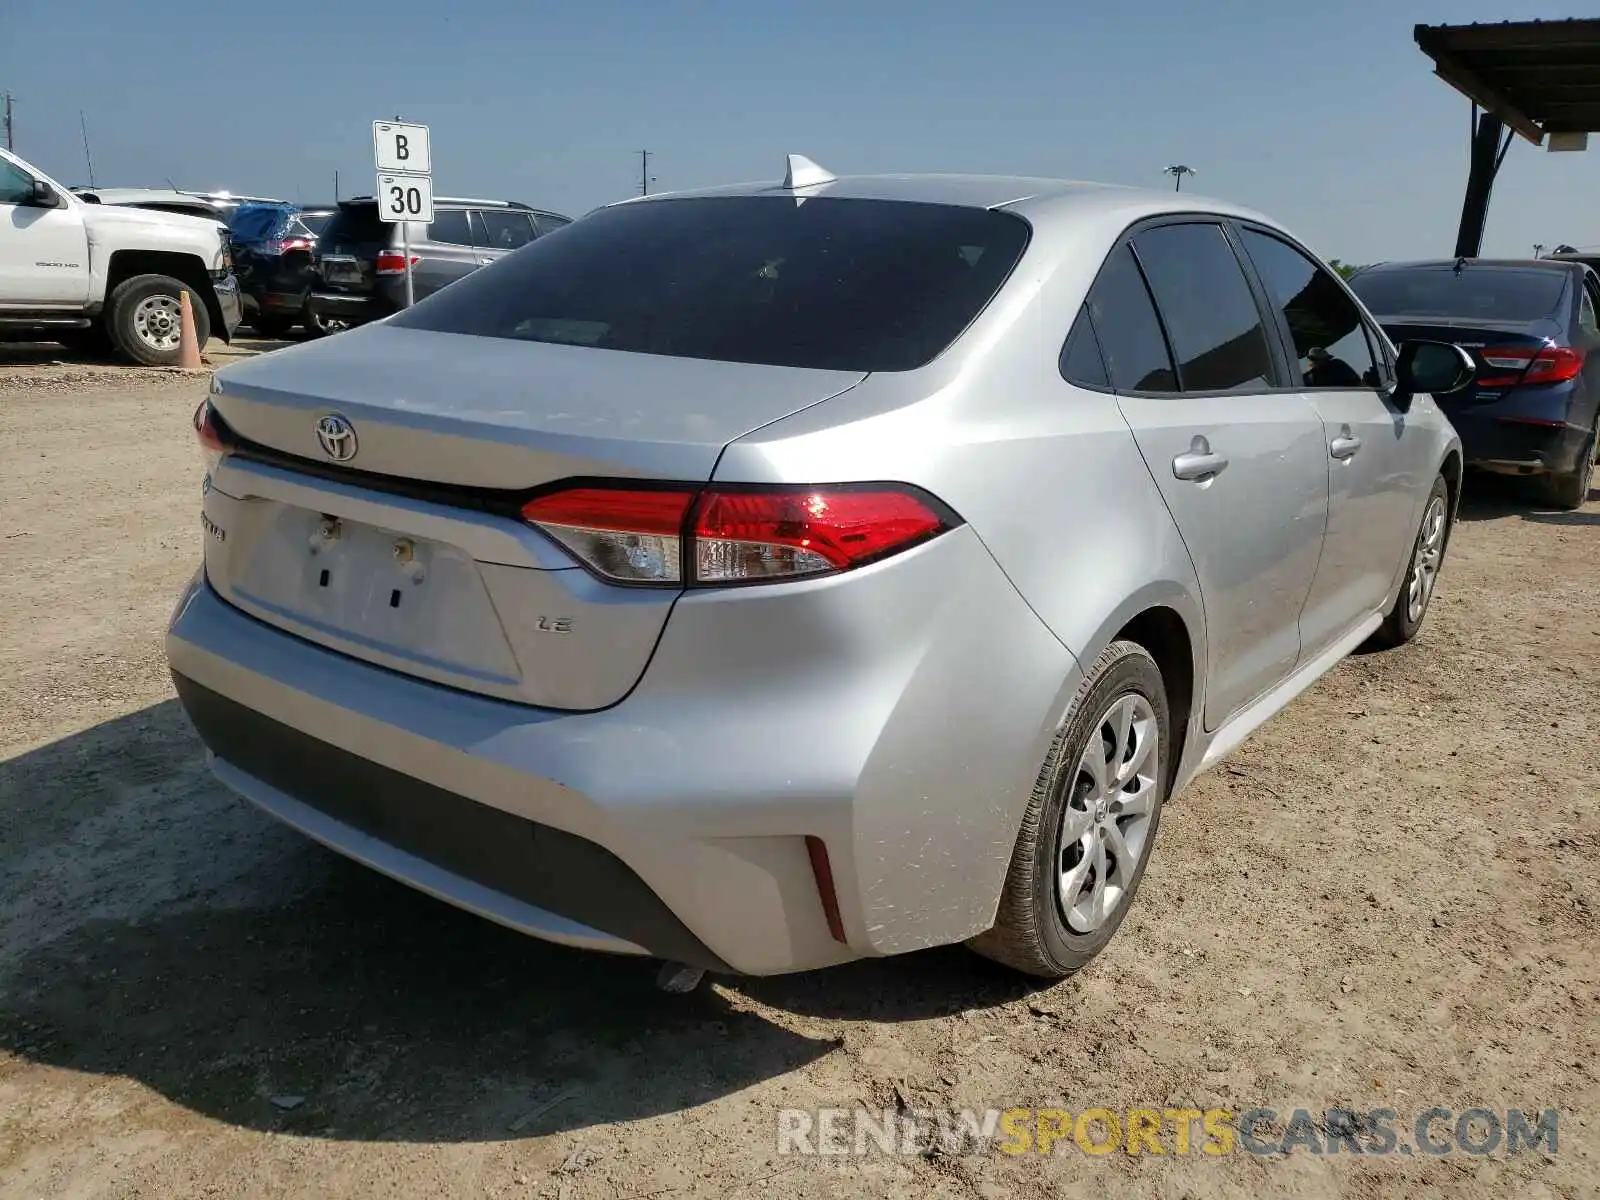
x,y
1237,455
453,247
1378,463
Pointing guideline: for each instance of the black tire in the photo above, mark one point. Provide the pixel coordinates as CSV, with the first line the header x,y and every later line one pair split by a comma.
x,y
124,307
1570,490
273,326
1399,627
1031,932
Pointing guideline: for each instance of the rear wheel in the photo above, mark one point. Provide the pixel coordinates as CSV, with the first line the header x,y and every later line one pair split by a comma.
x,y
1571,489
1091,824
143,318
1427,556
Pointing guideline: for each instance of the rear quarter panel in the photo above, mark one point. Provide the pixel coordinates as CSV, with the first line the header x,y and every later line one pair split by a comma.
x,y
1050,480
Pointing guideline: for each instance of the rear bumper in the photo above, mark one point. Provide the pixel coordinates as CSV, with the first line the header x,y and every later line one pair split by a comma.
x,y
512,869
674,823
1493,439
342,306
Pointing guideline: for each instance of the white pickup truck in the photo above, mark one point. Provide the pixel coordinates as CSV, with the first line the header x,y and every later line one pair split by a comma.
x,y
93,275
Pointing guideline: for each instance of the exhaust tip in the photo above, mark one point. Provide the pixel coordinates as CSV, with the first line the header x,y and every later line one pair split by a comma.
x,y
679,978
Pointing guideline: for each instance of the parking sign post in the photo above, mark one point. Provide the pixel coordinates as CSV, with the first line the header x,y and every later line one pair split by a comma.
x,y
403,155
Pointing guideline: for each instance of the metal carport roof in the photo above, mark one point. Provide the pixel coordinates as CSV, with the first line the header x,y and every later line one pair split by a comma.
x,y
1534,78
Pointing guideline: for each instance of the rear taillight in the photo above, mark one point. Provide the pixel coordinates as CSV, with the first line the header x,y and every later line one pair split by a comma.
x,y
390,263
208,433
725,535
1529,364
629,536
282,246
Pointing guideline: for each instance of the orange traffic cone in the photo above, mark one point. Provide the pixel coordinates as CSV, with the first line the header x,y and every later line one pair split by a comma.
x,y
188,347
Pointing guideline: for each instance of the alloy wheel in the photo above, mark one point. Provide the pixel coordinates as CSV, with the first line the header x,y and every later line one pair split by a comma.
x,y
1425,565
1106,821
157,321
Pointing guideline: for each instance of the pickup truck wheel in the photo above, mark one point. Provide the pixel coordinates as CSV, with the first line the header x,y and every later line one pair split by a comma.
x,y
143,318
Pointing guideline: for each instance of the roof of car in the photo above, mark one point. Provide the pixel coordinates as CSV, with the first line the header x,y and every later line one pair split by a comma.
x,y
517,204
1477,264
1024,192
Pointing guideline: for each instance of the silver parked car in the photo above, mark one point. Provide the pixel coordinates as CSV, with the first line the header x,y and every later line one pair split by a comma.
x,y
772,576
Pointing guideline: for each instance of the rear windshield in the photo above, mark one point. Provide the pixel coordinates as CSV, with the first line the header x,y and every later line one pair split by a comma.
x,y
315,223
852,285
253,222
1475,293
355,225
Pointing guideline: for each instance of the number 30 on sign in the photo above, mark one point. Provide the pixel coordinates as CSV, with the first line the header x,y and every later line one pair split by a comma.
x,y
405,198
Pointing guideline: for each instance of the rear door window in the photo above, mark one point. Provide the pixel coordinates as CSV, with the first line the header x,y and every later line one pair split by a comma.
x,y
544,223
1209,311
450,226
1081,360
1331,341
506,230
1129,331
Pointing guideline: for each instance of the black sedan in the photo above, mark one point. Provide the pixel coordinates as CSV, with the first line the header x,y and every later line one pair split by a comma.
x,y
1532,327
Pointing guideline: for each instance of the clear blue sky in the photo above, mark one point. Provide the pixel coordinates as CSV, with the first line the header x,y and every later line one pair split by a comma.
x,y
1325,116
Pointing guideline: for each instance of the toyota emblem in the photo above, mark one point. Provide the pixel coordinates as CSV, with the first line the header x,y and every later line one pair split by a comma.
x,y
338,437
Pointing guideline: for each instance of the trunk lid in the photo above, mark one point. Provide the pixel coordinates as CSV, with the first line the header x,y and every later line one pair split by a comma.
x,y
1475,337
494,413
393,573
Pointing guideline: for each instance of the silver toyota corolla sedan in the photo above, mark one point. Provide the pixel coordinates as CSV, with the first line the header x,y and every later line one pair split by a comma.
x,y
771,576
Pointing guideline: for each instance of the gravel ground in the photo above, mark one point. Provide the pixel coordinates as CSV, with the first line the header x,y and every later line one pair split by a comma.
x,y
1387,898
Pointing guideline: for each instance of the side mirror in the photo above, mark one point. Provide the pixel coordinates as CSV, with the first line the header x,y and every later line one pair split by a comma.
x,y
43,195
1438,368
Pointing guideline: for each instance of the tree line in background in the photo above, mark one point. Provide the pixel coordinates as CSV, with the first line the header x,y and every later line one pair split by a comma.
x,y
1345,269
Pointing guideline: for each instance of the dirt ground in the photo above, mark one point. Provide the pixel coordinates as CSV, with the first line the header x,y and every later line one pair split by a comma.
x,y
1388,898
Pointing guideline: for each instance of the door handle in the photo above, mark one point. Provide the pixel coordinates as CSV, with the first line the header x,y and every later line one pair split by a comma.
x,y
1199,462
1344,446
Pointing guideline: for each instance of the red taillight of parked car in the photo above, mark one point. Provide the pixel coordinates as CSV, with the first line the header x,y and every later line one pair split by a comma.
x,y
1523,365
281,246
390,263
730,535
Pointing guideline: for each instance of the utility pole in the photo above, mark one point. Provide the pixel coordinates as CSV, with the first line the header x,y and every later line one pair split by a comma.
x,y
1178,171
644,173
1538,249
11,137
336,186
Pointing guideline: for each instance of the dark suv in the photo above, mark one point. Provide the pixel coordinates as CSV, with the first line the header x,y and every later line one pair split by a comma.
x,y
360,263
